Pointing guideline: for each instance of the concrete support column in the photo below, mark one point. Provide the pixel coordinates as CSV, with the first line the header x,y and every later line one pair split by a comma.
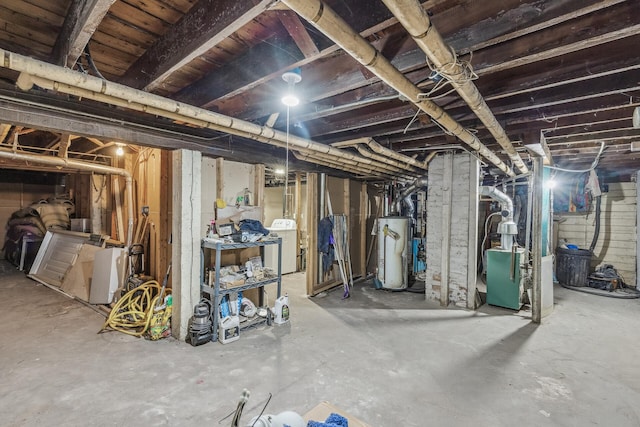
x,y
186,235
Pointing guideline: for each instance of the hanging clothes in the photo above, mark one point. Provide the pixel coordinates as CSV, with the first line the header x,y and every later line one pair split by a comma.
x,y
325,243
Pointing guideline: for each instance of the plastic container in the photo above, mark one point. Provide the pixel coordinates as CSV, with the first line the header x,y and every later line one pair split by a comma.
x,y
229,329
281,310
573,266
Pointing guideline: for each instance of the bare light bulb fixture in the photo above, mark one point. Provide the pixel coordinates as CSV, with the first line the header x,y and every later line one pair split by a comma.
x,y
290,100
120,150
291,77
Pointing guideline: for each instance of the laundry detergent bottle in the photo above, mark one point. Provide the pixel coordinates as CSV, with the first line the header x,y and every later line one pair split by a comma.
x,y
281,310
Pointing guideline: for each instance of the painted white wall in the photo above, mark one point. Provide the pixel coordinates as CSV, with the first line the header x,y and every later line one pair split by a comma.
x,y
237,177
617,241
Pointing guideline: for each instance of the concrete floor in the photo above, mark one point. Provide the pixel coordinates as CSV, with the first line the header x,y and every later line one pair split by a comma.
x,y
390,359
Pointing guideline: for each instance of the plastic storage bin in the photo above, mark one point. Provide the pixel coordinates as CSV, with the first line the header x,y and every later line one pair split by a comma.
x,y
572,266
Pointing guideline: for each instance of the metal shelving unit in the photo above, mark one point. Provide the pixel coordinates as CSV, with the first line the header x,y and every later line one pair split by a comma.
x,y
216,294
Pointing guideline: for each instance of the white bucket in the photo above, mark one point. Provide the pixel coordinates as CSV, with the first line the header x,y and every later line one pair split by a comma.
x,y
229,329
281,310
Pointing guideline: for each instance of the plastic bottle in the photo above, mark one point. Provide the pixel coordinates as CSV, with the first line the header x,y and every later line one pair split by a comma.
x,y
281,310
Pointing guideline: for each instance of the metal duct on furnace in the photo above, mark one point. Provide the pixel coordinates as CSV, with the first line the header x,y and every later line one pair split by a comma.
x,y
405,196
507,227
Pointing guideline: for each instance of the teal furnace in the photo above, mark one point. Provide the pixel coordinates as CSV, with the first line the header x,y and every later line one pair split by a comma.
x,y
504,277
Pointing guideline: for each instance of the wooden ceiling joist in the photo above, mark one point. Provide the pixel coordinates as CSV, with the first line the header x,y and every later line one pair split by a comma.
x,y
203,27
81,22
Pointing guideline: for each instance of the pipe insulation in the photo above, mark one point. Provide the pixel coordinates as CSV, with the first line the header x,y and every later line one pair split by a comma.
x,y
81,166
74,83
377,157
414,18
379,149
321,16
26,81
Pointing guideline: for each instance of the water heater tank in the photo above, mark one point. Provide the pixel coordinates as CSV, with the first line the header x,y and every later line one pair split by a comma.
x,y
392,252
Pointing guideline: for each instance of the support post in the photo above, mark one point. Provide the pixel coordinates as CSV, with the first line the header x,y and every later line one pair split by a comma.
x,y
536,232
186,235
447,183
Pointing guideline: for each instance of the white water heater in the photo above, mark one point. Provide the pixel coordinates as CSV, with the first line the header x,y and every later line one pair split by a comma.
x,y
393,252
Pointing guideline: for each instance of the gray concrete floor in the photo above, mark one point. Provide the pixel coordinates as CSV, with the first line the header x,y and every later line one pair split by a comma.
x,y
390,359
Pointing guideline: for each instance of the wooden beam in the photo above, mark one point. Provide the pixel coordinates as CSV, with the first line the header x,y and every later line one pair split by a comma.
x,y
4,131
80,23
235,78
266,56
63,147
206,24
613,23
19,114
463,37
296,29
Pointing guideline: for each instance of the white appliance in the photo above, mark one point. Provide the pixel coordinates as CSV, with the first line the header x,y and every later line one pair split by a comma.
x,y
392,252
287,230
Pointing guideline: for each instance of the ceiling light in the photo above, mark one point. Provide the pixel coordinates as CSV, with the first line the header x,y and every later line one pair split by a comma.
x,y
279,171
291,77
120,149
290,100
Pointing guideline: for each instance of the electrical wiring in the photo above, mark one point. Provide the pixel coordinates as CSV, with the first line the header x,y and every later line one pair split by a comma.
x,y
484,239
133,312
619,293
592,167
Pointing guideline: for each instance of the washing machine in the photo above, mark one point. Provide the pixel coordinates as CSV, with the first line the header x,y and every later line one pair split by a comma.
x,y
287,230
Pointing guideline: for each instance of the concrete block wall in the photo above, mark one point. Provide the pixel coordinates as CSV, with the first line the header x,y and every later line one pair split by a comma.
x,y
458,233
616,244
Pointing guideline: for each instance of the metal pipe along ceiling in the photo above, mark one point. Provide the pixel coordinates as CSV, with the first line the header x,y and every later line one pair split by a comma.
x,y
74,83
333,26
417,23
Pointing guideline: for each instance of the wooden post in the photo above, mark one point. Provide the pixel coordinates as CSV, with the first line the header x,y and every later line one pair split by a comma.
x,y
472,249
298,221
258,187
363,211
312,231
536,232
220,178
447,182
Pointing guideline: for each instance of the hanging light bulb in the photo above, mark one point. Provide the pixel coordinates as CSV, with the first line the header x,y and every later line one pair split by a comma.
x,y
291,77
119,150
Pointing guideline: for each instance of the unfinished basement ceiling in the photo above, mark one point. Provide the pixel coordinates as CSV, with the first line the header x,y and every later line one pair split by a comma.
x,y
564,69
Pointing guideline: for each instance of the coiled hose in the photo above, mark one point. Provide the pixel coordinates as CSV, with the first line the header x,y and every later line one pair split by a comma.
x,y
133,312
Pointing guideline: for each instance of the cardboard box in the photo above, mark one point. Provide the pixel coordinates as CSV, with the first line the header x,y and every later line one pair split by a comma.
x,y
321,411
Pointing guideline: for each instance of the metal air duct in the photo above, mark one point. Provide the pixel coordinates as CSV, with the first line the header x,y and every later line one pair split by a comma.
x,y
507,227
